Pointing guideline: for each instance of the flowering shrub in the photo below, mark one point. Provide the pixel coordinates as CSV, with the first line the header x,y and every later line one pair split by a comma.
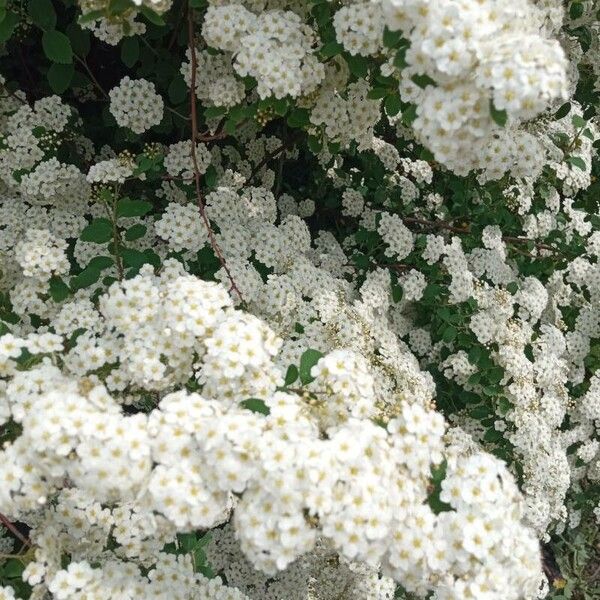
x,y
299,299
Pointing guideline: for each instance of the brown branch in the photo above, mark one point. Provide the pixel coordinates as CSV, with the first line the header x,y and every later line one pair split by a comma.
x,y
176,29
194,138
92,77
264,161
33,86
436,224
397,267
522,240
211,137
285,146
14,530
466,229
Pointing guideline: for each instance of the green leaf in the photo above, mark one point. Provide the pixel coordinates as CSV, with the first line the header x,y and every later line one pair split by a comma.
x,y
577,161
392,105
93,15
315,144
504,405
576,10
13,568
98,231
211,177
298,117
80,39
578,121
291,375
117,7
213,112
99,263
423,81
391,38
480,412
87,277
307,361
491,435
563,111
495,375
449,334
378,93
7,25
588,134
474,354
400,58
130,51
60,77
358,65
57,46
132,208
499,116
256,405
133,258
331,49
409,115
187,541
512,287
280,106
59,290
42,13
230,127
475,378
135,232
177,90
152,16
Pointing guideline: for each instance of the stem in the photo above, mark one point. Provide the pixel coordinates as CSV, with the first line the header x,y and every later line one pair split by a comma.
x,y
577,135
175,112
194,120
117,242
449,227
265,160
436,224
14,530
96,83
145,42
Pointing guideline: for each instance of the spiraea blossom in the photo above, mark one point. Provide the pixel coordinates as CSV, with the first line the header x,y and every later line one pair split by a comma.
x,y
299,300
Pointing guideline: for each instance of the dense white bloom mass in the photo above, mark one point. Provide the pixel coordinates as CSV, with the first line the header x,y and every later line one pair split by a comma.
x,y
135,104
476,59
317,319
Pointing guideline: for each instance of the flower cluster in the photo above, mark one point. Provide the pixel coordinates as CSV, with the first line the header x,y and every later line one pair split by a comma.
x,y
135,104
467,63
340,340
275,47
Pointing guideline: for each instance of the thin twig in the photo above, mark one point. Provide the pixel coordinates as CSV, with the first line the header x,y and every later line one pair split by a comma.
x,y
194,138
117,242
436,224
14,95
32,84
398,267
176,28
211,137
576,138
522,240
92,77
176,112
466,229
14,530
147,44
265,160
